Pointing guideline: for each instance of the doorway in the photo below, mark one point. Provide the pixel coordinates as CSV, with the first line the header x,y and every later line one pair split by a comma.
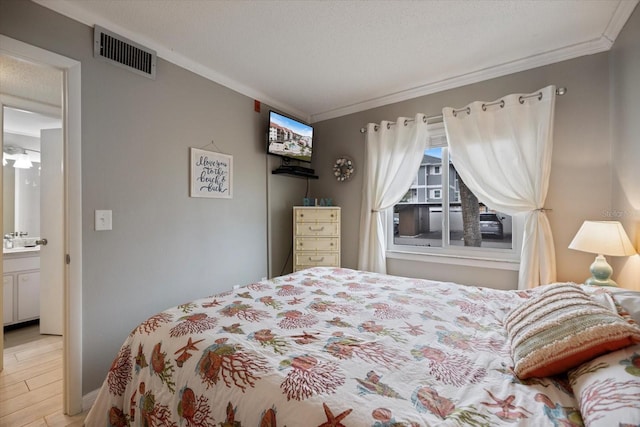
x,y
69,69
33,202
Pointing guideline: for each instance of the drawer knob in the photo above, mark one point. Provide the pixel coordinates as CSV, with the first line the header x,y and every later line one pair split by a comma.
x,y
316,229
316,259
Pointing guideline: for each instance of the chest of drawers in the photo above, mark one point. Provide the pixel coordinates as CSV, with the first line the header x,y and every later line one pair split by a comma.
x,y
316,237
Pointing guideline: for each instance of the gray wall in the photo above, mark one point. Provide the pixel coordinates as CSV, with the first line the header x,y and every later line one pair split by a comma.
x,y
580,186
284,192
625,137
165,248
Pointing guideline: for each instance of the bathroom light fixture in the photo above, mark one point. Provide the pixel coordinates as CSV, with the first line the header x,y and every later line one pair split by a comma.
x,y
602,238
22,161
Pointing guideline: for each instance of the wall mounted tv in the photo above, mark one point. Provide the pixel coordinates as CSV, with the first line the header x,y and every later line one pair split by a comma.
x,y
289,138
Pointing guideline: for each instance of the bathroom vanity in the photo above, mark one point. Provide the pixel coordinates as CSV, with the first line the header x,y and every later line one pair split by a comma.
x,y
21,285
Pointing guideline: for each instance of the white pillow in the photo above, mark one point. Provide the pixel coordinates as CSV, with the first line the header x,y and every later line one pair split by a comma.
x,y
630,301
627,299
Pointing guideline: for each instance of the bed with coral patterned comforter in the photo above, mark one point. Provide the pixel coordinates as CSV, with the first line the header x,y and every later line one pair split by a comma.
x,y
339,347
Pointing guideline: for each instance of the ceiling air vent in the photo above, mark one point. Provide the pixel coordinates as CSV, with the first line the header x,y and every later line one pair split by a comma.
x,y
123,52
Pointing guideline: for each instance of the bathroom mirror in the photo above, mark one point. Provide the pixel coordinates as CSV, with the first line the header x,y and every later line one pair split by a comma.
x,y
21,168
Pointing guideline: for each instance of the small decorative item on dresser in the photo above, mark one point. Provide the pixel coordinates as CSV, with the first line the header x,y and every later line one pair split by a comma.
x,y
343,169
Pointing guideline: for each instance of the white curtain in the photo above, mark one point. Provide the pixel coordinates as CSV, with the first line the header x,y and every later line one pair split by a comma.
x,y
502,151
393,153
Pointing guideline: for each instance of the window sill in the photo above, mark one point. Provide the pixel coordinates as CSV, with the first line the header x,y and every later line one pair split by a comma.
x,y
450,259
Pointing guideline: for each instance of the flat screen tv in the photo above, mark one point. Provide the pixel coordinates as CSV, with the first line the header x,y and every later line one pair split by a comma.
x,y
289,138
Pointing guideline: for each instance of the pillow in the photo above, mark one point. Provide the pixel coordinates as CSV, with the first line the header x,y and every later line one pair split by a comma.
x,y
607,388
561,327
622,301
629,302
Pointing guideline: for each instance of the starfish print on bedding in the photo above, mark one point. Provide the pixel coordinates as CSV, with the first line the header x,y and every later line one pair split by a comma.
x,y
334,420
414,330
295,301
509,411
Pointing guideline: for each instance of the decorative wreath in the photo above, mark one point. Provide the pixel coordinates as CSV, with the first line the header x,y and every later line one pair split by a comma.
x,y
343,169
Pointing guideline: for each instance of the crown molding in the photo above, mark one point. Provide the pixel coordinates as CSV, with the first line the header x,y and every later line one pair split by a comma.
x,y
587,48
71,10
601,44
620,16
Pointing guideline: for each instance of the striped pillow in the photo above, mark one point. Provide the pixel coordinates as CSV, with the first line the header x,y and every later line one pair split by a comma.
x,y
562,327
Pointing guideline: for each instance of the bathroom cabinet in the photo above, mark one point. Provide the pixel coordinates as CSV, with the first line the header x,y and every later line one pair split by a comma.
x,y
21,286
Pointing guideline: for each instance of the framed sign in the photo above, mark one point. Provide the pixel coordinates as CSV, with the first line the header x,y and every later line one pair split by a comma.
x,y
211,174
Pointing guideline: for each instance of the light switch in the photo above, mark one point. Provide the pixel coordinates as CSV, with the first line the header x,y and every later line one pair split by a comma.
x,y
103,220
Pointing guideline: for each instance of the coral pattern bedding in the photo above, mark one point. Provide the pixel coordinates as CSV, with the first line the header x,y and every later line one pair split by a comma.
x,y
339,347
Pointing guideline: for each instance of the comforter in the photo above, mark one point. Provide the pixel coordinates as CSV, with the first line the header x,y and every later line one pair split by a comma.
x,y
330,347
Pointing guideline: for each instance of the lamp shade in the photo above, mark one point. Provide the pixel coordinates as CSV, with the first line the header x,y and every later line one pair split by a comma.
x,y
603,238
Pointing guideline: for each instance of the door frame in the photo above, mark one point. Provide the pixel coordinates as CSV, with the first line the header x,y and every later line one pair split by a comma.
x,y
71,125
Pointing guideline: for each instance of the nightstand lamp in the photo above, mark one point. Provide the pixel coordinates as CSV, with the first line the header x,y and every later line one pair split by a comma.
x,y
602,238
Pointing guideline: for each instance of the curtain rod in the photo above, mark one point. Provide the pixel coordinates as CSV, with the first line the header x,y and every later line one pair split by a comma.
x,y
559,91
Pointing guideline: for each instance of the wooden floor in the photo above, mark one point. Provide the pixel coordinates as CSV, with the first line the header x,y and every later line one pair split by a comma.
x,y
31,382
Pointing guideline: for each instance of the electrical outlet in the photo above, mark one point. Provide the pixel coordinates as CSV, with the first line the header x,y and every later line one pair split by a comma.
x,y
236,286
264,278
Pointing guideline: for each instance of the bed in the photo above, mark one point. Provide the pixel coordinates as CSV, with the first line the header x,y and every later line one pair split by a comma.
x,y
340,347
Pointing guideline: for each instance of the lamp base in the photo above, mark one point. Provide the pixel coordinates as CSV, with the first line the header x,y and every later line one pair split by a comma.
x,y
601,273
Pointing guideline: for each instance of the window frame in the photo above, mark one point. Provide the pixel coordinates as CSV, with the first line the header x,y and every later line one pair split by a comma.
x,y
504,259
435,193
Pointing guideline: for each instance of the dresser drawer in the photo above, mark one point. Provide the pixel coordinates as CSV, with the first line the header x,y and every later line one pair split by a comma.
x,y
320,229
317,243
316,215
308,259
316,237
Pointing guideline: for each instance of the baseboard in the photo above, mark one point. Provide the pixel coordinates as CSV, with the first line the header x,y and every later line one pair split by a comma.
x,y
88,399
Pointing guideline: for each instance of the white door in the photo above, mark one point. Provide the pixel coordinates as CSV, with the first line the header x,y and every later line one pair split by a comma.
x,y
51,229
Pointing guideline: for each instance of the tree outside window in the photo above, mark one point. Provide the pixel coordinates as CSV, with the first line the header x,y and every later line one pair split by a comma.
x,y
440,204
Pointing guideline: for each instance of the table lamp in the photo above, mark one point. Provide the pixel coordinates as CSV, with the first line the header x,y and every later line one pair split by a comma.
x,y
602,238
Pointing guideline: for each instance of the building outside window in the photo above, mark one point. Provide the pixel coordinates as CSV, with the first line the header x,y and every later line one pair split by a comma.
x,y
429,218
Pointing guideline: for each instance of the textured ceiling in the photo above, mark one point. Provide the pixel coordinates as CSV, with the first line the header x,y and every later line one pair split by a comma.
x,y
30,81
34,84
322,59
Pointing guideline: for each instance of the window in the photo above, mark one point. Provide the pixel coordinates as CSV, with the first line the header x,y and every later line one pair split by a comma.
x,y
447,219
435,194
